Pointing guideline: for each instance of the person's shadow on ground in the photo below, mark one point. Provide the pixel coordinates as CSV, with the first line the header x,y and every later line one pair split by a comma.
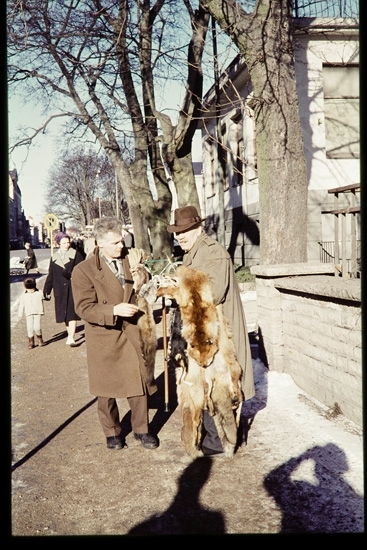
x,y
63,336
323,502
186,516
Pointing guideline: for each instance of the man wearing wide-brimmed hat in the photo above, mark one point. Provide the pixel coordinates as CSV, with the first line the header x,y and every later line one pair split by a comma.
x,y
204,253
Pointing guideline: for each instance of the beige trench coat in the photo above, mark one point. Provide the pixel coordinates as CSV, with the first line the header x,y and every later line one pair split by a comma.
x,y
210,256
116,367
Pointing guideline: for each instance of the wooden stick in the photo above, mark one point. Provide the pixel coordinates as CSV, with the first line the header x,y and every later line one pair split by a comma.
x,y
164,327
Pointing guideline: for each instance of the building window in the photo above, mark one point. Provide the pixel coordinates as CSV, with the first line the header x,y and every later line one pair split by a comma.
x,y
237,151
341,106
223,155
233,151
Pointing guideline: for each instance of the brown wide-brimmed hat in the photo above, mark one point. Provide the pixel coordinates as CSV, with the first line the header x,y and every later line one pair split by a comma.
x,y
185,218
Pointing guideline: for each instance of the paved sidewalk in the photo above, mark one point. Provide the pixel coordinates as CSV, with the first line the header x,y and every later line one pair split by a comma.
x,y
301,470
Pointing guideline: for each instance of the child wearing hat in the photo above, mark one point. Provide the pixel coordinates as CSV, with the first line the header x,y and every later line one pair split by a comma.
x,y
31,303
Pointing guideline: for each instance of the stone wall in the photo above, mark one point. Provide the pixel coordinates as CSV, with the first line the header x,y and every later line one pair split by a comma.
x,y
309,323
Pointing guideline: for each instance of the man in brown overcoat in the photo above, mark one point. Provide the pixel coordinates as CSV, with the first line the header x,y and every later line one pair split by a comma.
x,y
204,253
104,298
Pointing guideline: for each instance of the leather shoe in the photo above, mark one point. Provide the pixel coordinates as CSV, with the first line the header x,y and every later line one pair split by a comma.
x,y
115,442
147,440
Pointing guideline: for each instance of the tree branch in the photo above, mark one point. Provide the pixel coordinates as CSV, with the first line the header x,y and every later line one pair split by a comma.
x,y
28,140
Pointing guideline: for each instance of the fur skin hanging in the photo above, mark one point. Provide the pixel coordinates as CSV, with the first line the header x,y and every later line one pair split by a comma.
x,y
207,371
146,322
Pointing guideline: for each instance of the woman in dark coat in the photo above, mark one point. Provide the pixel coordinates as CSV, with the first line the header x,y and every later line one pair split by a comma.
x,y
58,279
30,261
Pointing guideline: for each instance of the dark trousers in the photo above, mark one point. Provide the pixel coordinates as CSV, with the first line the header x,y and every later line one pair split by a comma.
x,y
109,416
211,439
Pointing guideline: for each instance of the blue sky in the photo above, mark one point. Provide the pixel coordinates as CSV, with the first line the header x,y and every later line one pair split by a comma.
x,y
33,165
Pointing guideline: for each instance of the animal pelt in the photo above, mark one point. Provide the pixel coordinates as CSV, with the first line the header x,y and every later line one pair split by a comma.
x,y
177,344
146,322
207,371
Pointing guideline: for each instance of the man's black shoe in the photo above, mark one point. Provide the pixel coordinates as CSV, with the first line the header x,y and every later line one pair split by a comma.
x,y
115,442
147,440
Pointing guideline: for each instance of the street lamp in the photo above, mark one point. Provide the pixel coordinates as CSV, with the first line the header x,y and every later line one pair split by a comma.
x,y
99,194
117,195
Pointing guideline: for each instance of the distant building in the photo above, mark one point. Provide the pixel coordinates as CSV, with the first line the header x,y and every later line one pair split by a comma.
x,y
21,229
36,231
18,225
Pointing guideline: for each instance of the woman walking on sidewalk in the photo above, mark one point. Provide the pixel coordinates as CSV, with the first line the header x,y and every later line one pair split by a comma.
x,y
30,261
31,303
58,279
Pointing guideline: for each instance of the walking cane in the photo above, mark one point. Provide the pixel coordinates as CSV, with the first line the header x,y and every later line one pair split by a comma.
x,y
164,326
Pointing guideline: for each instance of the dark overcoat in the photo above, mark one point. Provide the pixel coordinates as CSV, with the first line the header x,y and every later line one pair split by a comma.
x,y
210,256
58,280
116,367
30,261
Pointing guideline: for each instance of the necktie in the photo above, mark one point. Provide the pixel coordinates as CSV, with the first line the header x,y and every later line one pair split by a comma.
x,y
116,265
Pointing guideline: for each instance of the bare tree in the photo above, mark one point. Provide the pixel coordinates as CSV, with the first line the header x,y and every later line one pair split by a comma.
x,y
81,186
264,39
93,61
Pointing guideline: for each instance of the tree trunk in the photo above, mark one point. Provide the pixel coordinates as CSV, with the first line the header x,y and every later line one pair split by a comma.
x,y
265,40
125,180
178,139
184,180
157,212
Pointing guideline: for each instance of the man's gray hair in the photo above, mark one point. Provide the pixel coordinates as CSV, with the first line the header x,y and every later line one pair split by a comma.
x,y
105,225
